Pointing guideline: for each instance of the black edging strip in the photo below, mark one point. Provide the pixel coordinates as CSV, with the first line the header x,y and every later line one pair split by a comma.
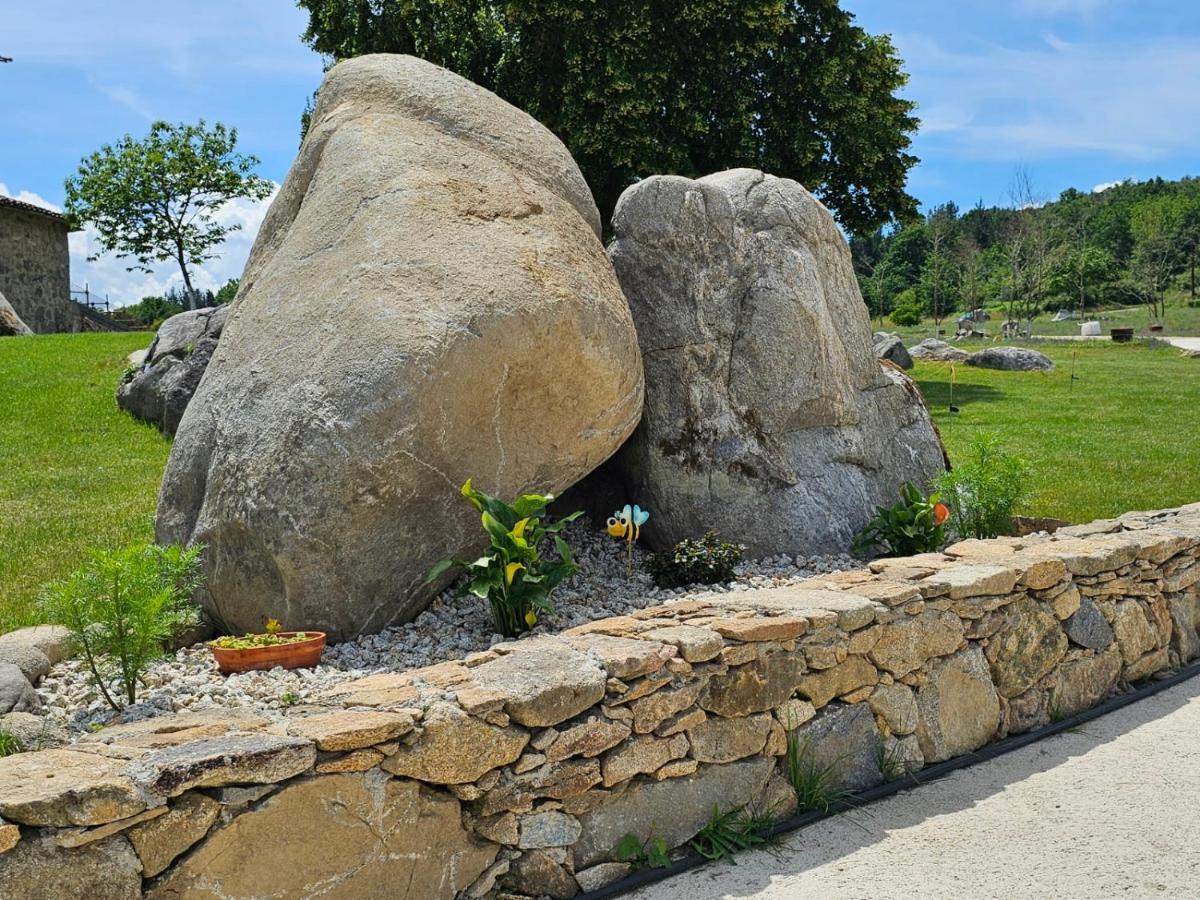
x,y
643,877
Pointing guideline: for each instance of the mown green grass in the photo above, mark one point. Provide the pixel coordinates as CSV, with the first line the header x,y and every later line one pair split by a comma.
x,y
1125,436
75,471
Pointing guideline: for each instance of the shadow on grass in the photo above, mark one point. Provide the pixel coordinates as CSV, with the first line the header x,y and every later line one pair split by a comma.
x,y
937,394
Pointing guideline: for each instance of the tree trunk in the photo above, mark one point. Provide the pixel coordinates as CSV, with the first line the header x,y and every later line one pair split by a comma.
x,y
187,279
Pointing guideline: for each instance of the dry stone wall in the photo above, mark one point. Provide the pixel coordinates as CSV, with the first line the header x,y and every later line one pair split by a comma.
x,y
519,769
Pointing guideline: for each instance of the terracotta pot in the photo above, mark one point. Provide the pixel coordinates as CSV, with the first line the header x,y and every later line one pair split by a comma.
x,y
297,655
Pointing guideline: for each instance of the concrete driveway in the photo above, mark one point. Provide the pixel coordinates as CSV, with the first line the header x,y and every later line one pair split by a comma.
x,y
1109,810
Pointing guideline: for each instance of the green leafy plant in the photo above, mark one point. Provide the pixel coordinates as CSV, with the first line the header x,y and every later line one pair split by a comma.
x,y
9,743
983,490
123,607
816,785
649,854
729,833
513,576
706,561
916,524
289,698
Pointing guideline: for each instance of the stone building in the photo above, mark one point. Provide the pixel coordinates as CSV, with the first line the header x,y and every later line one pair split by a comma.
x,y
35,269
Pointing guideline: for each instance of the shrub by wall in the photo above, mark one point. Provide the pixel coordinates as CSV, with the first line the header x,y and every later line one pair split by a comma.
x,y
521,768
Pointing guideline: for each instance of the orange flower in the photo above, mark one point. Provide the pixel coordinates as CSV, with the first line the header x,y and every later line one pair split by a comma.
x,y
941,512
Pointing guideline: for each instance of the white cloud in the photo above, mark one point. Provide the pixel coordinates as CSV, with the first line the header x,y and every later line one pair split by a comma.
x,y
1133,99
1104,186
28,197
107,275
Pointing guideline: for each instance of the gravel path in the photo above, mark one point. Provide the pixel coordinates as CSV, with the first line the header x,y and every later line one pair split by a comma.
x,y
451,628
1108,810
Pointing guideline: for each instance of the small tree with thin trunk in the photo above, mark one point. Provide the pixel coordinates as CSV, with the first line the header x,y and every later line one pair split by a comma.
x,y
155,199
1157,255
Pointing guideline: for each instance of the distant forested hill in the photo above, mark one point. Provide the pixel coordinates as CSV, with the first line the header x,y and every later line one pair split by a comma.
x,y
1135,242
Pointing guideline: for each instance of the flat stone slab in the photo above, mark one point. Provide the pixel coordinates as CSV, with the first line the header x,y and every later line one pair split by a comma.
x,y
66,787
850,610
625,657
960,582
244,758
544,681
180,728
351,729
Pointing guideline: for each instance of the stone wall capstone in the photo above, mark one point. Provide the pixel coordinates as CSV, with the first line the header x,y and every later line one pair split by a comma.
x,y
519,769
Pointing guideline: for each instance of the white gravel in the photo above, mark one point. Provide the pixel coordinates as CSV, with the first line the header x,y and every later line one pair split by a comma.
x,y
450,628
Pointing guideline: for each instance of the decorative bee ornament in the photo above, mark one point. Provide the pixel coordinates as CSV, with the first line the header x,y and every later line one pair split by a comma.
x,y
626,524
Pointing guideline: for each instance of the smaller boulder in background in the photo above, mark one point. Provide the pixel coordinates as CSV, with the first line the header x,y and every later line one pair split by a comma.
x,y
160,390
890,347
938,351
1012,359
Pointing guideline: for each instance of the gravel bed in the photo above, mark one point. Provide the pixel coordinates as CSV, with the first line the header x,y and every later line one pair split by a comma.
x,y
450,628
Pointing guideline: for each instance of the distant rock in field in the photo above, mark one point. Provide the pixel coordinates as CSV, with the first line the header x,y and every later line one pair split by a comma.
x,y
767,415
1012,359
427,301
938,351
891,348
161,389
10,323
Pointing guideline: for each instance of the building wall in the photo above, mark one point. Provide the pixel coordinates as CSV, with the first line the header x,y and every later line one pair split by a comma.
x,y
35,270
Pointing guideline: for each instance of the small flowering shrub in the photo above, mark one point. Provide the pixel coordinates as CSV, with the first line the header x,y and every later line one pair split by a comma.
x,y
122,608
709,560
513,576
983,491
917,524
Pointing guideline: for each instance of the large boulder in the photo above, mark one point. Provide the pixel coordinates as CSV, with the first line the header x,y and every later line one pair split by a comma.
x,y
160,389
1011,359
767,415
427,301
10,323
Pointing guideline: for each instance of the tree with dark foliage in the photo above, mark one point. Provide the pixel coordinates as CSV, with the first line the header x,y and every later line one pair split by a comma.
x,y
689,87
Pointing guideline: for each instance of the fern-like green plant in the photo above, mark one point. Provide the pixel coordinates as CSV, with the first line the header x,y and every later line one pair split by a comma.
x,y
983,490
513,576
122,608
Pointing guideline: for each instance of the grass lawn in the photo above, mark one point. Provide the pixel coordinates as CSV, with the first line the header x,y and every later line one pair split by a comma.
x,y
1127,437
75,471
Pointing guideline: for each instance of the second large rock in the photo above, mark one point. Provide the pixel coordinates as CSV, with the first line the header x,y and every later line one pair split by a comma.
x,y
767,414
428,300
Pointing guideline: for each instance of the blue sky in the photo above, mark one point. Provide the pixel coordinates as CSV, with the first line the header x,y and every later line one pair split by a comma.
x,y
1079,92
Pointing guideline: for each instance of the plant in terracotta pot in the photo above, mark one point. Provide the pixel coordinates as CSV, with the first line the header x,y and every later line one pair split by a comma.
x,y
274,647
